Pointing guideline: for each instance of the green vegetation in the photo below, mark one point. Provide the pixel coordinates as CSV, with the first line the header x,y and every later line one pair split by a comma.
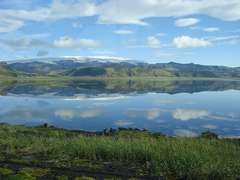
x,y
136,153
6,72
36,172
69,68
167,70
84,178
19,177
62,178
5,171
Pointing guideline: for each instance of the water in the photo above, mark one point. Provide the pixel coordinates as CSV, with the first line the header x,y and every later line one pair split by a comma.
x,y
182,108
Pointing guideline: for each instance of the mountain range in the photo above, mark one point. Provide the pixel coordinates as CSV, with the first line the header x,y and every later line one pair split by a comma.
x,y
111,67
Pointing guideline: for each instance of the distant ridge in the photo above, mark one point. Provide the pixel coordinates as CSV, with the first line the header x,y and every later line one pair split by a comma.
x,y
114,67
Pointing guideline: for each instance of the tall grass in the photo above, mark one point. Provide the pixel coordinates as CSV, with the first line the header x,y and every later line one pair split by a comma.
x,y
189,158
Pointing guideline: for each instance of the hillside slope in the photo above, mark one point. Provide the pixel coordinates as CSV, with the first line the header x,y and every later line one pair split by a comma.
x,y
70,67
5,71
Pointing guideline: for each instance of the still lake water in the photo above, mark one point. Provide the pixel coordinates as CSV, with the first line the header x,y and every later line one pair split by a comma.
x,y
182,108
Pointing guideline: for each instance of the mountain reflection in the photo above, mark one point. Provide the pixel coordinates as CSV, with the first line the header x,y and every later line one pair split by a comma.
x,y
96,87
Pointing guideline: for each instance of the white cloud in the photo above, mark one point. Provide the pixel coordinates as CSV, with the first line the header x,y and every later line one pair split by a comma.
x,y
130,12
188,114
104,52
149,42
185,133
189,42
211,29
123,123
77,24
25,43
209,126
58,9
233,39
68,42
40,41
123,32
186,22
103,59
8,25
90,113
161,34
153,42
153,114
125,12
68,114
62,9
65,113
224,38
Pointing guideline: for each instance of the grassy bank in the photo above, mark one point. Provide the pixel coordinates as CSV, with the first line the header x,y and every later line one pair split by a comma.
x,y
130,153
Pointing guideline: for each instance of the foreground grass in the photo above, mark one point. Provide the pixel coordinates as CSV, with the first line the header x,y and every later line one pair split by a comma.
x,y
139,153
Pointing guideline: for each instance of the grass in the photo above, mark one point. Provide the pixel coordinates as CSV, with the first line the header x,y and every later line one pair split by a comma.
x,y
142,153
37,172
19,177
5,171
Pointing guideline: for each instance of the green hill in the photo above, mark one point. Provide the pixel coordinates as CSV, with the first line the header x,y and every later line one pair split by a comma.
x,y
5,71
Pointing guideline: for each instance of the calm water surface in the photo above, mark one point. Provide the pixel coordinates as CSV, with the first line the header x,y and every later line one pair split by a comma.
x,y
182,108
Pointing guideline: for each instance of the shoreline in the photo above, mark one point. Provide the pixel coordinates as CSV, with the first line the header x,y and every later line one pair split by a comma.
x,y
113,131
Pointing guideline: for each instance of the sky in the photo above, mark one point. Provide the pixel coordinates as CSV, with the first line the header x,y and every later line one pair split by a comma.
x,y
183,31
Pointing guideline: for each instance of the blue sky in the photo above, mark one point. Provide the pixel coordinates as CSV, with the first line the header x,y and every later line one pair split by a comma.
x,y
183,31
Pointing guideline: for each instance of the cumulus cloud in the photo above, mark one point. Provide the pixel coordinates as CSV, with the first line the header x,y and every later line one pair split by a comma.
x,y
186,22
188,114
123,32
190,42
68,42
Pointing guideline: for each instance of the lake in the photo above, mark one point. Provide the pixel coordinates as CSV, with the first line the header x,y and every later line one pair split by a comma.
x,y
177,108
